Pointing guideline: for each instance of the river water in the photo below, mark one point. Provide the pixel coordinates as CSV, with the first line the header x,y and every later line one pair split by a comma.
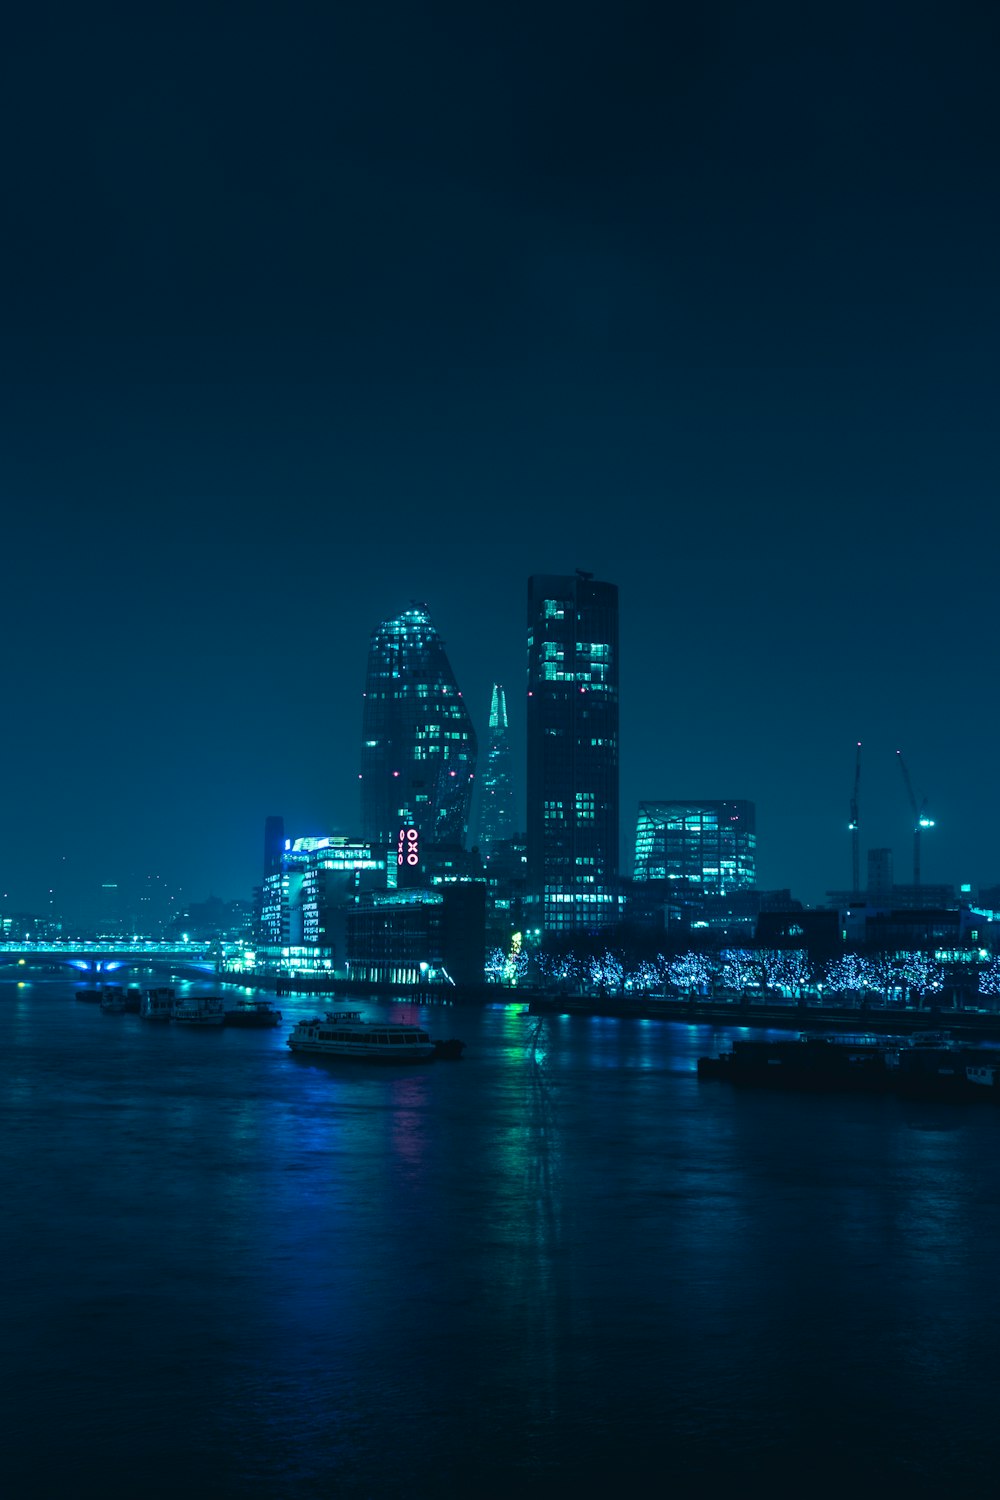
x,y
559,1264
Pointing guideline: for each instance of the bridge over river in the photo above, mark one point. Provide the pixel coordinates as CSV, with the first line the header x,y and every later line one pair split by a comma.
x,y
107,957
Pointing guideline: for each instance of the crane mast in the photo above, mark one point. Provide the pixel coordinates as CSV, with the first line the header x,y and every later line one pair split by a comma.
x,y
855,827
920,818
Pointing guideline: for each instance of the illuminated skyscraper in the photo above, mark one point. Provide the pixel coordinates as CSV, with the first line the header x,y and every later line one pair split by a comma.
x,y
573,750
496,811
418,753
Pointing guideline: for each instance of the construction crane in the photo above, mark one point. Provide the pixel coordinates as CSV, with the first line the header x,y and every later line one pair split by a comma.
x,y
855,826
920,818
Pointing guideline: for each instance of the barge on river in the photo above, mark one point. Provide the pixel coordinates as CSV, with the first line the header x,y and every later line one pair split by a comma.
x,y
929,1067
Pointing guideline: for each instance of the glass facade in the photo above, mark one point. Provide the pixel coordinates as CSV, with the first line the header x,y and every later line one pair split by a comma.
x,y
418,754
304,902
572,718
705,848
496,810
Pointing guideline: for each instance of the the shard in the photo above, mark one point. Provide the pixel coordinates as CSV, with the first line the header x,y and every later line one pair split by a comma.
x,y
496,808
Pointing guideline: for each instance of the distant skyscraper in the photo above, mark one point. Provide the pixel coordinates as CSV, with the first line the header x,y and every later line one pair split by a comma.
x,y
496,811
573,750
703,848
418,753
881,881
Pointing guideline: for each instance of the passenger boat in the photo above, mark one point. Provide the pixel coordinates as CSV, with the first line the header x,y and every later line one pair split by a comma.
x,y
199,1010
157,1005
92,996
345,1034
249,1012
113,1000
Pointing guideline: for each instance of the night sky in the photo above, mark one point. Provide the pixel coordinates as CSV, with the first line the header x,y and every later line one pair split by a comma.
x,y
310,311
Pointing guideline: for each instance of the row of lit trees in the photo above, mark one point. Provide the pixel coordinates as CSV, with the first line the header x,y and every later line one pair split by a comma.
x,y
790,972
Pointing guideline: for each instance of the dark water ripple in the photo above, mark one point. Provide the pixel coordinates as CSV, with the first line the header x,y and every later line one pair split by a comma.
x,y
556,1265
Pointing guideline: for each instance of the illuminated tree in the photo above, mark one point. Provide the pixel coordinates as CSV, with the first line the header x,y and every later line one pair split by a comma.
x,y
848,974
887,973
562,969
515,968
921,973
495,960
613,971
989,979
740,968
789,970
689,972
643,977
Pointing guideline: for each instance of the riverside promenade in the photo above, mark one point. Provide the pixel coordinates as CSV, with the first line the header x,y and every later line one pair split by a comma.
x,y
690,1010
700,1010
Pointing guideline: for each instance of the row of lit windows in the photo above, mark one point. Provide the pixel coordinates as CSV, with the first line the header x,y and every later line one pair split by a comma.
x,y
568,897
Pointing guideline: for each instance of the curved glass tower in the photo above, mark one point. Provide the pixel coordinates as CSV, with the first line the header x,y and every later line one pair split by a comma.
x,y
496,811
418,754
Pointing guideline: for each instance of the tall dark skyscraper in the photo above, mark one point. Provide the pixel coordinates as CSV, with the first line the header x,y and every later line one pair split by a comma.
x,y
418,753
573,750
496,811
274,843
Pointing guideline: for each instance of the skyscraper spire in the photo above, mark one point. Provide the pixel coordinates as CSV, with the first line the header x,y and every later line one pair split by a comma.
x,y
496,810
498,708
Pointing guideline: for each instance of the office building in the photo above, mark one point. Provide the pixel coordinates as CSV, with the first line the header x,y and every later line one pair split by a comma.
x,y
496,808
880,877
418,937
418,755
305,900
702,848
572,725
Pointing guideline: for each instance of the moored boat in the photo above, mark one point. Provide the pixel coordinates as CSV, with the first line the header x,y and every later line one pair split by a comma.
x,y
113,1000
346,1034
252,1013
943,1070
925,1067
199,1010
157,1004
814,1063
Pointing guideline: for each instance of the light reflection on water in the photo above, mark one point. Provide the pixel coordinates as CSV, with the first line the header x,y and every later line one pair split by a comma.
x,y
559,1263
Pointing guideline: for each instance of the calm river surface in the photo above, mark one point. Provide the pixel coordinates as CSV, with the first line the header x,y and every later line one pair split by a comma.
x,y
560,1264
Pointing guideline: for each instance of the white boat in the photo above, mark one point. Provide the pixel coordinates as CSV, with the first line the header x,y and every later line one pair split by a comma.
x,y
200,1010
344,1033
157,1005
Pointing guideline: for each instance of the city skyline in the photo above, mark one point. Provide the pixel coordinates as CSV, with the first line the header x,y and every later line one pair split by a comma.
x,y
888,825
703,304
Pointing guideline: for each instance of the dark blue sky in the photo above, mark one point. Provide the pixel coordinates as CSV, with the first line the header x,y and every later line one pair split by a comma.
x,y
307,315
